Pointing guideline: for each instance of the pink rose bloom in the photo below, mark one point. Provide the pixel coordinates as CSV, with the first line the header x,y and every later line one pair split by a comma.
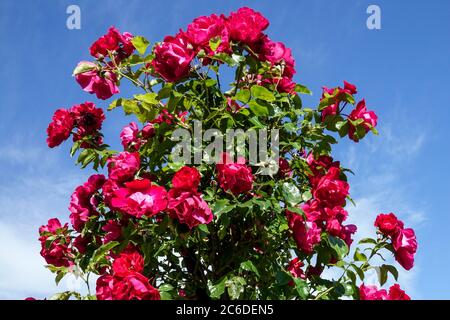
x,y
134,286
276,52
388,224
320,166
331,110
123,167
129,136
128,262
83,203
205,28
295,268
114,42
285,170
313,210
140,197
246,25
58,252
113,231
187,179
189,208
306,234
331,191
372,293
347,232
350,88
234,177
360,112
173,58
93,80
60,128
87,119
405,245
148,131
396,293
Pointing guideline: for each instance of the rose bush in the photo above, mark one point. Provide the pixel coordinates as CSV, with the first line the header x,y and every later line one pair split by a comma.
x,y
151,227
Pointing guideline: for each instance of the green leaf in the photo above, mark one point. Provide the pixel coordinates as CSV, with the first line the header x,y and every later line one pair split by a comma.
x,y
301,287
339,246
382,274
140,43
393,270
249,266
358,271
101,252
359,256
367,241
116,103
216,290
302,89
257,109
291,194
260,92
235,287
149,98
214,43
243,95
203,228
222,206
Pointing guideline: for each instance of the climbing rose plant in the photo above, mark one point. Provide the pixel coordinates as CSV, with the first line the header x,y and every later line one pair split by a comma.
x,y
154,228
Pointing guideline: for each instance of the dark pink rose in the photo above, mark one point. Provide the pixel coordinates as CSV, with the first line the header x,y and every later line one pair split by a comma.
x,y
331,191
347,232
128,262
92,80
187,179
295,268
140,197
57,252
306,234
148,131
205,28
395,293
113,42
234,177
83,202
189,208
372,293
60,128
246,25
173,58
113,231
123,167
405,246
129,136
388,224
87,119
360,112
284,168
276,53
350,88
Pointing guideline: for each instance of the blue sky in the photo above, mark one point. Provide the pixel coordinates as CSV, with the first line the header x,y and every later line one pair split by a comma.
x,y
401,70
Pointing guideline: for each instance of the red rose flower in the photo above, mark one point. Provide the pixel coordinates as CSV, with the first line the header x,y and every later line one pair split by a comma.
x,y
246,25
92,80
60,128
395,293
114,42
173,58
405,246
140,197
123,167
189,208
360,112
306,234
57,252
83,203
87,119
129,136
234,177
295,268
113,231
331,191
276,53
187,179
205,28
284,168
372,293
128,262
388,224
